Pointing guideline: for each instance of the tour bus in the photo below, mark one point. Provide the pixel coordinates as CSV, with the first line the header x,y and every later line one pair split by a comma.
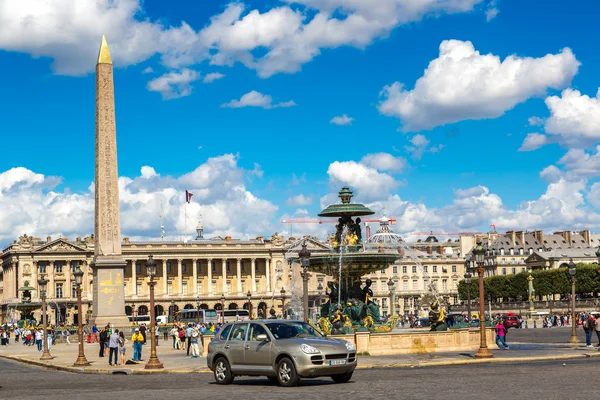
x,y
191,315
139,319
234,315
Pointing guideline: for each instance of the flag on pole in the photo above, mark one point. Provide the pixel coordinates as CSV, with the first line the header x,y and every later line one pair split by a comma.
x,y
188,197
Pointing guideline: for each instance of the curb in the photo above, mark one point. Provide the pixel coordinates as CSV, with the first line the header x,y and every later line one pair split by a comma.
x,y
482,361
129,371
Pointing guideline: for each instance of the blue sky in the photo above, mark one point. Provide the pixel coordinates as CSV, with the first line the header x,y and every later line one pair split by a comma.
x,y
448,157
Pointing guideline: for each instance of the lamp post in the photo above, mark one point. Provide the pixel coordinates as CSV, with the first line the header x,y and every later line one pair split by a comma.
x,y
282,303
153,362
42,282
172,311
198,310
392,289
572,272
81,360
304,255
483,352
249,296
468,284
222,308
320,291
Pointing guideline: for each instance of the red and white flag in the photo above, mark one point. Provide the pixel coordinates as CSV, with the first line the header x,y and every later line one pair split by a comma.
x,y
188,197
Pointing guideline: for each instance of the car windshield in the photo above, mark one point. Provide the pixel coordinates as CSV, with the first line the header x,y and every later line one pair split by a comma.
x,y
288,330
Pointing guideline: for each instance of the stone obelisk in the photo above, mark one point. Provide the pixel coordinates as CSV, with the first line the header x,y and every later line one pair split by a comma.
x,y
108,264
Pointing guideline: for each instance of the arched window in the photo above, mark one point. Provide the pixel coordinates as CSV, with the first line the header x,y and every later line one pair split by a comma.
x,y
142,310
233,306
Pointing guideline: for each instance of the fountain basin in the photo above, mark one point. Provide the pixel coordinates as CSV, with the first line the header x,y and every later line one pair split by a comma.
x,y
353,264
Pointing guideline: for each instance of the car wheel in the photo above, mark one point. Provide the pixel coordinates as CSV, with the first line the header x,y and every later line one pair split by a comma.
x,y
342,378
223,375
286,373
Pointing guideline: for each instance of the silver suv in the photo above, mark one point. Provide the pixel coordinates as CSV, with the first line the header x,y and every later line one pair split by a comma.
x,y
284,351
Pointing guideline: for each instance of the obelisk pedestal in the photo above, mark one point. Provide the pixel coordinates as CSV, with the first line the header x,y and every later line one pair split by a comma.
x,y
108,263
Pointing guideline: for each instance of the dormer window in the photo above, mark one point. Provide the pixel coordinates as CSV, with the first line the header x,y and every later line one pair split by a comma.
x,y
512,252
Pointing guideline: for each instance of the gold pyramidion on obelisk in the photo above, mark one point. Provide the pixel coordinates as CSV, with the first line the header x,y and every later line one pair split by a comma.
x,y
108,264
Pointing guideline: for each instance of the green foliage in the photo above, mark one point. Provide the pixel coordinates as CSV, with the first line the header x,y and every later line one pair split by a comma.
x,y
546,282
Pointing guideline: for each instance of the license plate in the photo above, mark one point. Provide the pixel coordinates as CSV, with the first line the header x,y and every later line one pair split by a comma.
x,y
337,362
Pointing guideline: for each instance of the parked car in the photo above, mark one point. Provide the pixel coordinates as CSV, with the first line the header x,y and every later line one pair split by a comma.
x,y
282,350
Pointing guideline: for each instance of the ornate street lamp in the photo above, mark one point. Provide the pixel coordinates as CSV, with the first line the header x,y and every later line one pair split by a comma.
x,y
42,282
81,360
249,296
468,285
392,289
222,308
483,352
198,310
572,272
153,362
320,291
282,303
304,255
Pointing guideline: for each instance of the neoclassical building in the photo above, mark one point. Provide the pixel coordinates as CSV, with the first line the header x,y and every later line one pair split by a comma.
x,y
215,272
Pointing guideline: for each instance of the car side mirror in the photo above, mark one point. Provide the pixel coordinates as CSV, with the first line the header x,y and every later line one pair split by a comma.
x,y
262,337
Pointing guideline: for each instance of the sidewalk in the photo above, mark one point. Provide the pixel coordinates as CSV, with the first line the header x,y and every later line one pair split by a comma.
x,y
176,361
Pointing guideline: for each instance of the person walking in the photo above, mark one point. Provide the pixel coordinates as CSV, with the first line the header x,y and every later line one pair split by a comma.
x,y
95,334
194,343
102,339
50,338
137,340
500,333
188,334
68,336
589,328
597,326
143,332
122,342
174,335
113,346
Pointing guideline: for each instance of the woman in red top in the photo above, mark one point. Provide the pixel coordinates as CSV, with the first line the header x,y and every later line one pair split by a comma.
x,y
500,333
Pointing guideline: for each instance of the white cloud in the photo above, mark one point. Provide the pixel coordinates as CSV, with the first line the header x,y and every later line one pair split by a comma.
x,y
147,70
593,195
491,11
579,164
257,99
148,172
298,180
419,144
213,76
174,84
342,120
535,121
287,37
533,141
384,162
551,174
368,182
299,200
574,118
462,84
30,203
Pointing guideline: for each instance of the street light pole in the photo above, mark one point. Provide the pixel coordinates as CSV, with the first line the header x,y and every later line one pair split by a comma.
x,y
572,272
282,303
249,296
483,351
468,284
304,255
153,362
392,289
42,282
81,360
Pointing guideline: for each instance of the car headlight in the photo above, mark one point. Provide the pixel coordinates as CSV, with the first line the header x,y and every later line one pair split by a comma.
x,y
349,346
309,349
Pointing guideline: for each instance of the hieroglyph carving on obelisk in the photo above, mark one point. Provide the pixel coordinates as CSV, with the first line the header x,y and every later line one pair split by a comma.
x,y
108,265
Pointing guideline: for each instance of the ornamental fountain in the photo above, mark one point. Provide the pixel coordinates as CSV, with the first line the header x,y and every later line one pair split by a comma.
x,y
26,306
350,307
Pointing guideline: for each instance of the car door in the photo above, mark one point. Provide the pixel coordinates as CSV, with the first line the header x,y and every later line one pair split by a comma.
x,y
235,346
257,354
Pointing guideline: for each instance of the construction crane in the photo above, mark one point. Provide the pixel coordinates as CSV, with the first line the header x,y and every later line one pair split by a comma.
x,y
430,233
326,221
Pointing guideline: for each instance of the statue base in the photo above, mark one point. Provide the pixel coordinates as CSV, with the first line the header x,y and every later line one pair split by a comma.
x,y
108,306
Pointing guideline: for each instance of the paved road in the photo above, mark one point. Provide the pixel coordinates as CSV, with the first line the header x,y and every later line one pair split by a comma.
x,y
546,335
547,380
